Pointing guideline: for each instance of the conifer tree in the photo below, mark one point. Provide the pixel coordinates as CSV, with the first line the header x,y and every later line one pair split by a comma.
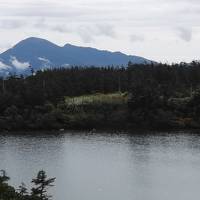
x,y
41,183
22,189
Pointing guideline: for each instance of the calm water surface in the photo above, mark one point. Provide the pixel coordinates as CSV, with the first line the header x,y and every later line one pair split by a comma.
x,y
151,166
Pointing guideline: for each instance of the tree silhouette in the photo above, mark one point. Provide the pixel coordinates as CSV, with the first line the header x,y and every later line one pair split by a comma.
x,y
22,189
41,184
3,177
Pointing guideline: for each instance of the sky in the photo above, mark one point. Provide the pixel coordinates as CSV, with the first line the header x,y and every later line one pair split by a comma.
x,y
161,30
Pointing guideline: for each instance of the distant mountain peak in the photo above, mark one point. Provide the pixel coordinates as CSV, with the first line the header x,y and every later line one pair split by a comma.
x,y
33,38
68,45
34,41
41,53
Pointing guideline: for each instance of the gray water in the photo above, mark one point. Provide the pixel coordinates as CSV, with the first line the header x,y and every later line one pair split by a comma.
x,y
104,166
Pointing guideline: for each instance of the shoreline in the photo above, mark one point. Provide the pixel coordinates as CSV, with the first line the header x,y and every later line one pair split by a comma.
x,y
133,130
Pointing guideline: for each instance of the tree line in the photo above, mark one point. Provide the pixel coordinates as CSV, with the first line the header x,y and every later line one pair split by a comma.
x,y
156,92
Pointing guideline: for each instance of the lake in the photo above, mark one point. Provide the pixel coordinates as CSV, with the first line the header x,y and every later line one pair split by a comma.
x,y
107,166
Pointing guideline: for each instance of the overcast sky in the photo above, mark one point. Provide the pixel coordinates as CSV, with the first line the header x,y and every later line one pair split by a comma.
x,y
162,30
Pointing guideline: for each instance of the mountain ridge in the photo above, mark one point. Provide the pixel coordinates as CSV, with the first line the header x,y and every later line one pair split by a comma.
x,y
40,54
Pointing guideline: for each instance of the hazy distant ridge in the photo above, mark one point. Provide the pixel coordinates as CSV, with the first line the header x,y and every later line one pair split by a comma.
x,y
40,53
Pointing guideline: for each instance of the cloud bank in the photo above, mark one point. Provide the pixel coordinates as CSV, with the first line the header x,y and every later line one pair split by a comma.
x,y
185,34
45,62
3,66
157,29
19,65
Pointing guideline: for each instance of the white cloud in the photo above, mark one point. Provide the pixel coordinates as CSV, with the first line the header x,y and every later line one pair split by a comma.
x,y
66,65
185,34
108,24
11,24
88,33
19,65
45,61
3,66
136,38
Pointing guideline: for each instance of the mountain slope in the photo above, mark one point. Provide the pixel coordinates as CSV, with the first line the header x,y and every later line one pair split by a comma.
x,y
40,53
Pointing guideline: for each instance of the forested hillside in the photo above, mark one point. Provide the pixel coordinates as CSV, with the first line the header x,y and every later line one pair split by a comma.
x,y
156,95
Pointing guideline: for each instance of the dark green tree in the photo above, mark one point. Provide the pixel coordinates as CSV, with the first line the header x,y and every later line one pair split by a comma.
x,y
6,192
41,183
23,190
3,177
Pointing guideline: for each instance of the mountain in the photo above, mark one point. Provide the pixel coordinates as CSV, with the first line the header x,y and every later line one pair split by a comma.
x,y
40,54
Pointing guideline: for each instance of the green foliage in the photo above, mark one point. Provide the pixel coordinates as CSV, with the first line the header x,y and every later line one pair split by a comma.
x,y
117,98
88,97
3,177
41,184
6,192
39,191
164,95
23,191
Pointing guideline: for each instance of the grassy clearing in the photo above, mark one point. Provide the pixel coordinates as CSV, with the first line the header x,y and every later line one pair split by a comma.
x,y
117,98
